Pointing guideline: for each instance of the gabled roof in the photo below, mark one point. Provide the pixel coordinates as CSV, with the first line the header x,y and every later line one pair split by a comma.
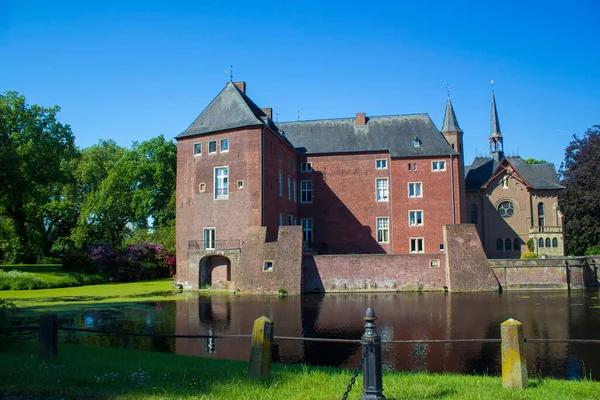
x,y
395,134
450,123
494,121
537,176
230,109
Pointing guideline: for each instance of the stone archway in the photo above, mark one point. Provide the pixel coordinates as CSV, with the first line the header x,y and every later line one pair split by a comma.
x,y
215,271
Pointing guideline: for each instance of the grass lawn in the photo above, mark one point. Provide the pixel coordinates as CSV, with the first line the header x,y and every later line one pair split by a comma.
x,y
44,276
106,373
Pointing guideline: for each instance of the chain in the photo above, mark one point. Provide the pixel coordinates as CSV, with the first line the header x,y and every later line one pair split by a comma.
x,y
369,347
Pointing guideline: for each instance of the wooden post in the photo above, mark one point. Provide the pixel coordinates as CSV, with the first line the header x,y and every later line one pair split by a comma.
x,y
48,339
514,364
260,352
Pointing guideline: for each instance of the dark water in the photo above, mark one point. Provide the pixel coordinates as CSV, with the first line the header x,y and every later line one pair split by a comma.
x,y
400,316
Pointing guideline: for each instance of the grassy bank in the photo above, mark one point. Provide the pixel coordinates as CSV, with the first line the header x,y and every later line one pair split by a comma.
x,y
159,289
107,373
43,276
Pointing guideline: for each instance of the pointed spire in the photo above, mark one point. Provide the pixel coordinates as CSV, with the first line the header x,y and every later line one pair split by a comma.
x,y
450,123
494,122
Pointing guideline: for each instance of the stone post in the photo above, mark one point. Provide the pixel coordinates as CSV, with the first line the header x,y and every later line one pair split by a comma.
x,y
514,364
371,349
48,339
260,351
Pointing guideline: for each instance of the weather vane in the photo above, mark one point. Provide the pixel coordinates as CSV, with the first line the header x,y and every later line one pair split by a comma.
x,y
492,82
448,89
230,72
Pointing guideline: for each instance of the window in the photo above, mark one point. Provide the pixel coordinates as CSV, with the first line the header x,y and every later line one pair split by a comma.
x,y
197,148
412,167
294,167
441,246
289,162
209,238
295,189
202,187
382,189
305,167
416,142
506,209
289,188
437,166
540,243
305,191
280,183
415,167
280,155
380,164
382,230
416,245
281,221
290,219
224,145
212,146
473,212
517,244
268,266
240,184
415,189
541,214
307,232
507,244
555,242
409,166
500,244
505,182
415,218
434,263
548,242
221,187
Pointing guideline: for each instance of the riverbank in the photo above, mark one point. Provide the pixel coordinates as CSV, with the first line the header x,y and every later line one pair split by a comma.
x,y
109,373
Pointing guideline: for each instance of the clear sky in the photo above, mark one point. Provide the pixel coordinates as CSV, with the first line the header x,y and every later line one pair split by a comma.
x,y
131,70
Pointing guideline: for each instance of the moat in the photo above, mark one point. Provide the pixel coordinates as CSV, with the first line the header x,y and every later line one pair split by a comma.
x,y
548,314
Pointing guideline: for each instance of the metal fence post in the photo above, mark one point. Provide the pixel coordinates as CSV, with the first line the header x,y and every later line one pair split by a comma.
x,y
260,351
48,339
514,364
371,350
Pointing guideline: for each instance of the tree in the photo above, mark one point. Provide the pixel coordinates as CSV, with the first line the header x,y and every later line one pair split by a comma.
x,y
37,154
580,202
535,161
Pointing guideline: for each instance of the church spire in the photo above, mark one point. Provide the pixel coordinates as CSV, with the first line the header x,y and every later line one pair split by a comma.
x,y
496,140
450,123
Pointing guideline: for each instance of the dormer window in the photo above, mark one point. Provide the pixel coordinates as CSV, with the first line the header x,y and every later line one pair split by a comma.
x,y
416,142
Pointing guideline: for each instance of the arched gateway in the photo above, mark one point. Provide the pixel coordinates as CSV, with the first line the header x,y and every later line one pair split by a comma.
x,y
215,269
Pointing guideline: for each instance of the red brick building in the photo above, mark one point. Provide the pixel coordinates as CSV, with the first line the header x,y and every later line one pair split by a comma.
x,y
360,185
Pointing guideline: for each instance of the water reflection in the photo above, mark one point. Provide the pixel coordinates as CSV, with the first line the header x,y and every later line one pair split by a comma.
x,y
400,316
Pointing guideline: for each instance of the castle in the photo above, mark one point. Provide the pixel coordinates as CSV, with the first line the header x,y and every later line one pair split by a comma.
x,y
262,206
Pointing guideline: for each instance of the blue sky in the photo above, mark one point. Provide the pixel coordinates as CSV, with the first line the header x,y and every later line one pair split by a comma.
x,y
133,70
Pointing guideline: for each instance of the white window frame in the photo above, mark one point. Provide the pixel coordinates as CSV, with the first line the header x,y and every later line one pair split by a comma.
x,y
240,184
280,183
382,225
221,145
383,193
434,263
416,241
438,165
381,163
307,232
306,192
268,265
202,187
413,217
225,186
295,191
306,167
214,142
210,242
199,144
289,182
415,185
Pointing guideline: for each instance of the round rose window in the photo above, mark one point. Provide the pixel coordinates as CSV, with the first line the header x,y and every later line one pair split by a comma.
x,y
506,209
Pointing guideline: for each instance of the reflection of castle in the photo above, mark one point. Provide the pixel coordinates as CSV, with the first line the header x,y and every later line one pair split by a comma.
x,y
512,202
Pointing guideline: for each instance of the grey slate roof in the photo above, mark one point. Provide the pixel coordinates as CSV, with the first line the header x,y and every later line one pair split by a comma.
x,y
494,121
394,133
539,176
450,123
230,109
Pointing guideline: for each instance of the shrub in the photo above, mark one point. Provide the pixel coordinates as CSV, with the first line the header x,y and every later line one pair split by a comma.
x,y
17,280
77,260
530,245
529,255
592,250
282,291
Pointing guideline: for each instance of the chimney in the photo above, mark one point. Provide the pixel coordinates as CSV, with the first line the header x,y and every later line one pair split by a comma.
x,y
361,119
268,111
241,85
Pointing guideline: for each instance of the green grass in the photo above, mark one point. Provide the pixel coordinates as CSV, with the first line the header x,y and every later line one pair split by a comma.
x,y
159,289
42,276
108,373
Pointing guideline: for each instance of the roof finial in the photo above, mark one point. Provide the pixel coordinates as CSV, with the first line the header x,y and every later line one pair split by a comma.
x,y
492,82
230,72
276,117
298,115
448,89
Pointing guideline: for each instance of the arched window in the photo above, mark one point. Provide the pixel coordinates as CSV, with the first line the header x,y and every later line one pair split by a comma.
x,y
499,244
508,244
506,209
555,242
517,244
541,243
473,210
548,243
541,214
